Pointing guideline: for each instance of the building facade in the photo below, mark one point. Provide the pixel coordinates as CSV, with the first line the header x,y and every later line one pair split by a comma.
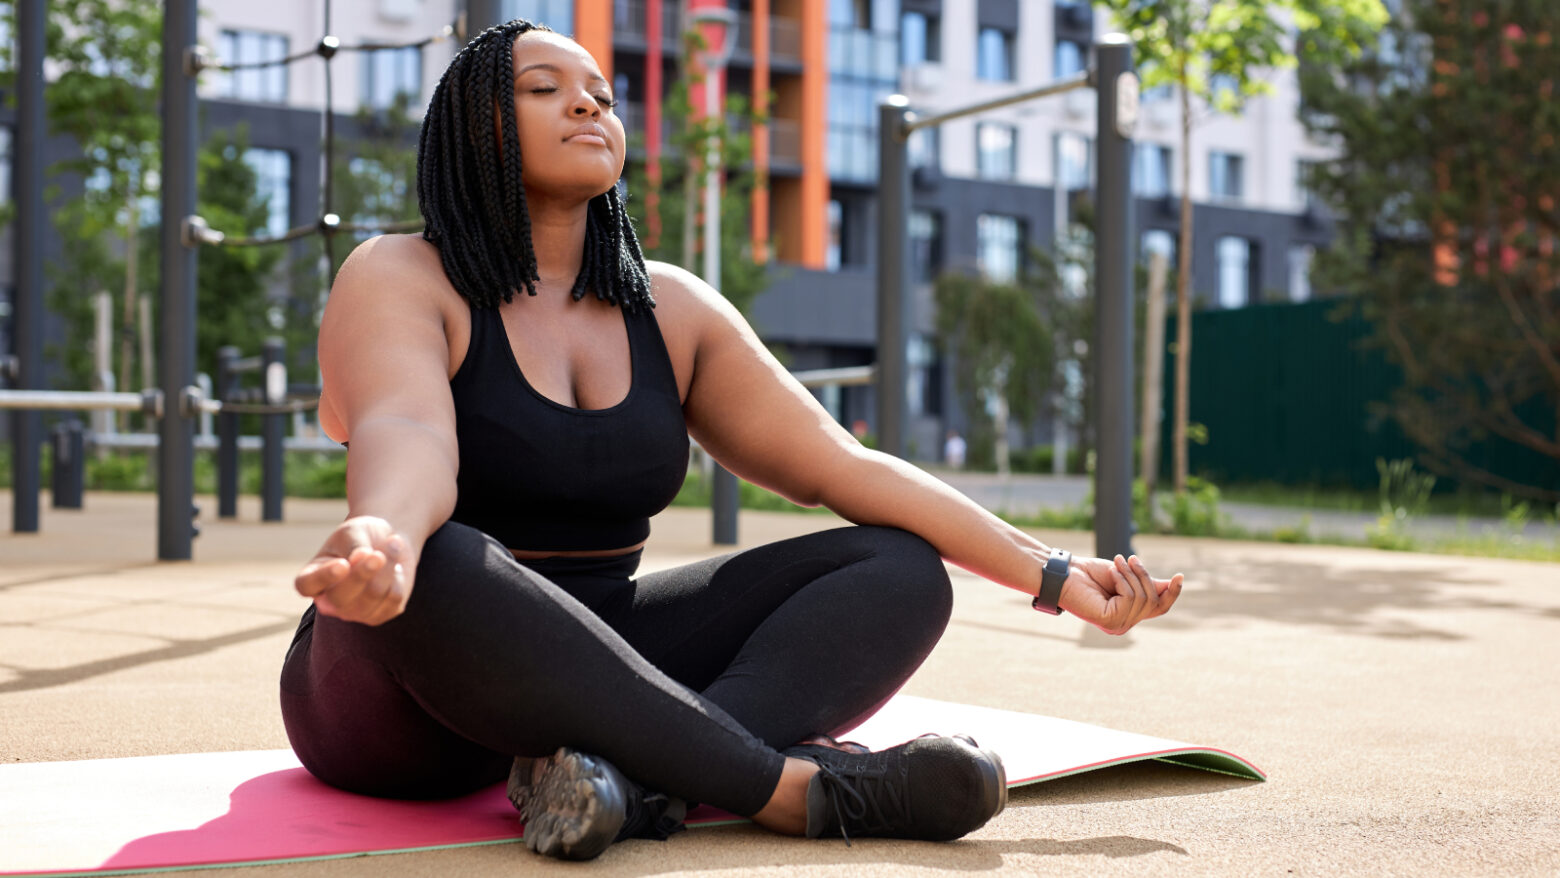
x,y
985,188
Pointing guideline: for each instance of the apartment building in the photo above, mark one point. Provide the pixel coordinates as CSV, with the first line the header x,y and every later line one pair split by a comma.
x,y
984,189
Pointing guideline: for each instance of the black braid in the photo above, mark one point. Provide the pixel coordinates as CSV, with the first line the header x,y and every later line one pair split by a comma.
x,y
473,203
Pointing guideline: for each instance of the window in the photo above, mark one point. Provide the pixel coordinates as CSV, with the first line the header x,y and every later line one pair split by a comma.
x,y
1234,272
997,247
920,39
389,73
556,14
834,253
273,182
267,84
1150,170
996,148
1074,161
383,194
1304,196
1300,257
921,149
1158,241
1223,87
925,246
5,165
994,55
1068,59
1224,176
921,396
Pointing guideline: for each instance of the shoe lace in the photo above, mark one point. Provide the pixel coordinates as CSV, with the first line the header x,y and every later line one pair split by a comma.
x,y
870,802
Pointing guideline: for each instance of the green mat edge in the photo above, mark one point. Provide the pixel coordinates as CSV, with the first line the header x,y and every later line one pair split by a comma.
x,y
1204,760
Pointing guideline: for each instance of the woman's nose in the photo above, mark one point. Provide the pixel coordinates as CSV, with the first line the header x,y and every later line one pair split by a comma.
x,y
585,105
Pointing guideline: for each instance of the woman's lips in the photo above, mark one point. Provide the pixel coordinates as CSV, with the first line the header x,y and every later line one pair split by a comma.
x,y
588,138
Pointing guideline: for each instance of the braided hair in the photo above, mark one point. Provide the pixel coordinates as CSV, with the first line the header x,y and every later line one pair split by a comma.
x,y
472,200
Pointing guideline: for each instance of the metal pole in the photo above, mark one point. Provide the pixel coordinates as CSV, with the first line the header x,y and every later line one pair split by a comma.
x,y
273,428
227,436
725,493
176,366
893,269
481,15
1114,239
69,467
27,332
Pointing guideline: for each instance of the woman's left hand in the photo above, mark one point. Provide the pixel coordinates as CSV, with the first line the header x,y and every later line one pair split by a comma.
x,y
1113,594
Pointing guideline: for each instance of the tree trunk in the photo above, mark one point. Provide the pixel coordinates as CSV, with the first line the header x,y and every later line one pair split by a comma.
x,y
1183,297
999,421
1153,366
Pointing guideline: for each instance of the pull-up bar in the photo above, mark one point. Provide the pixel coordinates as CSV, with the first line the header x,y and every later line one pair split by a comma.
x,y
1116,87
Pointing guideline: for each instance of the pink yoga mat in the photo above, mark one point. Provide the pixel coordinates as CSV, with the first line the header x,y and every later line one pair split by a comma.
x,y
107,816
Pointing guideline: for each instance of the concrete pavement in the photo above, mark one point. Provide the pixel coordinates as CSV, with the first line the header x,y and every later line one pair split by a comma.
x,y
1405,706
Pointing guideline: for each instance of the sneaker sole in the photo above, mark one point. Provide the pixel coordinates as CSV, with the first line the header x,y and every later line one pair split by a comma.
x,y
572,804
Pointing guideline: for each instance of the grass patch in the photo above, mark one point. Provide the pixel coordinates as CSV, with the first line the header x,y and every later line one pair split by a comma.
x,y
696,492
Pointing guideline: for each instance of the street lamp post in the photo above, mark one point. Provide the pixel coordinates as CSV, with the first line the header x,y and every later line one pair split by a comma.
x,y
719,22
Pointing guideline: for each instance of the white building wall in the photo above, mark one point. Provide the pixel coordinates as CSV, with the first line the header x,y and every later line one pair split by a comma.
x,y
353,22
1268,135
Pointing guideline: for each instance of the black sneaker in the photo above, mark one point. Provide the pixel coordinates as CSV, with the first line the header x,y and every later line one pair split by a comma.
x,y
934,788
574,805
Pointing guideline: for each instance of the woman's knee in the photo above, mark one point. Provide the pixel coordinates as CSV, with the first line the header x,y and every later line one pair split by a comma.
x,y
918,577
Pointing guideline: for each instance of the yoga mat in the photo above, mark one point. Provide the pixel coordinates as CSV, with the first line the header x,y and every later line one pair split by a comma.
x,y
145,813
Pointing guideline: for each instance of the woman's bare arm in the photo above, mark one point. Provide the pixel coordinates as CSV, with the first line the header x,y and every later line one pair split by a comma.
x,y
384,363
751,415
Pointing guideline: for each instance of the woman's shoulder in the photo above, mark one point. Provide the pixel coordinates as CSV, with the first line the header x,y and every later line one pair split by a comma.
x,y
393,269
681,294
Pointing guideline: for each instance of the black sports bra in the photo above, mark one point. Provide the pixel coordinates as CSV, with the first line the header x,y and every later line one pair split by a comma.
x,y
539,475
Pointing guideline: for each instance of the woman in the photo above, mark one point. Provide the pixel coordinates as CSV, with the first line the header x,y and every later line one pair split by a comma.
x,y
478,611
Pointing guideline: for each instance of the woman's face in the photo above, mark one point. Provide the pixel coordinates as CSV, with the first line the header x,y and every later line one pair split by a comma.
x,y
571,140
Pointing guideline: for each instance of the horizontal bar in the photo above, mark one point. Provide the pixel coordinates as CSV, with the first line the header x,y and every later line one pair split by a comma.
x,y
70,400
209,442
844,376
245,364
1071,83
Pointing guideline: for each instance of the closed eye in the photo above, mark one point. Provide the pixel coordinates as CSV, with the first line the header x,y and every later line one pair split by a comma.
x,y
609,103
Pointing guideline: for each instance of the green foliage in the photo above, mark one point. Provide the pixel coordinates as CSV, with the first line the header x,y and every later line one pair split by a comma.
x,y
696,492
1445,189
1195,512
1404,495
661,237
1223,50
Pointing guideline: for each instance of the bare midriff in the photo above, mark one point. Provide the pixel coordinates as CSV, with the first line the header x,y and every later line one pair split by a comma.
x,y
534,554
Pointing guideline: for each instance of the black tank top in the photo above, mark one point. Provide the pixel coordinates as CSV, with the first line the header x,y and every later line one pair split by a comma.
x,y
536,474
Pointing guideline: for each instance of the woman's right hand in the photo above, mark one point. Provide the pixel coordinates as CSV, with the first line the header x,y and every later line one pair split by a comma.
x,y
363,573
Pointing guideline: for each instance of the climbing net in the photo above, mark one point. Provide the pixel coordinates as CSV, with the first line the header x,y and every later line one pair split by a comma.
x,y
329,223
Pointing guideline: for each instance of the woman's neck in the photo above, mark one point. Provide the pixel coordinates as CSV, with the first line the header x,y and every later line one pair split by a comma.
x,y
558,240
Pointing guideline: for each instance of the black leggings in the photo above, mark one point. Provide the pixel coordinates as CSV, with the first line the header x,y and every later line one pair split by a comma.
x,y
688,679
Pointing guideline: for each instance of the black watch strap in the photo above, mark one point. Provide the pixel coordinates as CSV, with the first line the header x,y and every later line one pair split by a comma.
x,y
1051,578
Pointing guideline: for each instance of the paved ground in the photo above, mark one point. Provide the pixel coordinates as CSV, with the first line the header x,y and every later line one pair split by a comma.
x,y
1406,707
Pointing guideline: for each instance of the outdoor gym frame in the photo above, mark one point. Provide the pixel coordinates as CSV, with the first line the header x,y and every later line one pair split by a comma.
x,y
1116,87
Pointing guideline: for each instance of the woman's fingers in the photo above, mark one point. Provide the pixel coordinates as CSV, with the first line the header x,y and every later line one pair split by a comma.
x,y
320,574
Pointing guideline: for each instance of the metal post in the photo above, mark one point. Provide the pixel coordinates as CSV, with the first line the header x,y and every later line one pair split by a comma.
x,y
227,435
69,467
893,268
273,429
1114,240
725,491
483,14
176,366
27,333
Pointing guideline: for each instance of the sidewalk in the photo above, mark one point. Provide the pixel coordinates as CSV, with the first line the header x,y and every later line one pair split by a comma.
x,y
1403,705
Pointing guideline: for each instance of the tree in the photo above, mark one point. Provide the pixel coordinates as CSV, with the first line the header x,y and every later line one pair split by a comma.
x,y
741,277
107,60
1447,191
1220,51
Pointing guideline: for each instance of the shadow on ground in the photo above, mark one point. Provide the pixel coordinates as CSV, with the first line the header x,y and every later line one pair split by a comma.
x,y
1344,599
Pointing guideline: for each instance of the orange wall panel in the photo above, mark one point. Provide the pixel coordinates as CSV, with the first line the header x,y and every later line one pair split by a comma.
x,y
593,30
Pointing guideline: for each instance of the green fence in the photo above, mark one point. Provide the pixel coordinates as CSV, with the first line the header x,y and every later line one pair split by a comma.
x,y
1290,394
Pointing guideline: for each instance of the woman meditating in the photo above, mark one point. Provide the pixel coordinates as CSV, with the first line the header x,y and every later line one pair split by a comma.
x,y
518,386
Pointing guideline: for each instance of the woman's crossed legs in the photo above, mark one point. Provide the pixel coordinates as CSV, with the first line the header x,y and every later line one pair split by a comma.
x,y
687,679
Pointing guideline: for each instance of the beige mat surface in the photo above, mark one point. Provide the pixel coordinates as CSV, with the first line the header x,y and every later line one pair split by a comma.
x,y
1406,707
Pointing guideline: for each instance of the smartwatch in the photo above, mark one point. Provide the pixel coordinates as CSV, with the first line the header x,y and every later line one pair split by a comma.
x,y
1051,578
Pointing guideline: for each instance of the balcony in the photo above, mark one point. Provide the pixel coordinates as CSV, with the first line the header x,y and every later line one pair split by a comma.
x,y
630,18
